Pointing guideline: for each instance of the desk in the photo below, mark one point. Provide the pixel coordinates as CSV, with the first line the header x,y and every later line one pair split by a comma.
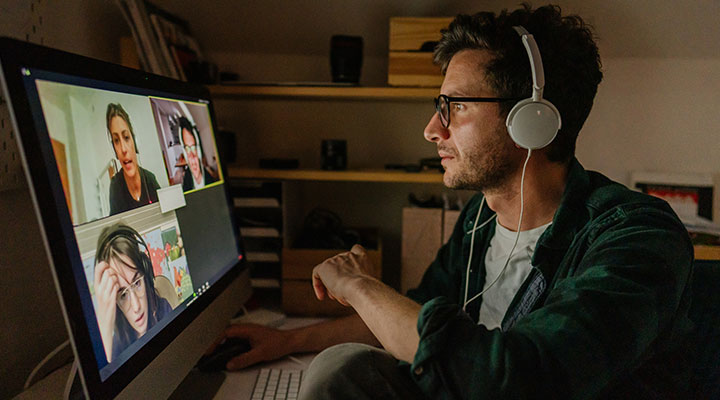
x,y
233,385
239,385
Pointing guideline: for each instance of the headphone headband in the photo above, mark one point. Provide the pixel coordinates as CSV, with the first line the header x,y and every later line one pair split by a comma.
x,y
126,232
534,122
536,65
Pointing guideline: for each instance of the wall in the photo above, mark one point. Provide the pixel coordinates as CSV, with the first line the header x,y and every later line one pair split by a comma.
x,y
654,114
31,318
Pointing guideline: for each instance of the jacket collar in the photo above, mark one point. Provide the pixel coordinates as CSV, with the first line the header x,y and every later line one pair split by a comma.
x,y
569,219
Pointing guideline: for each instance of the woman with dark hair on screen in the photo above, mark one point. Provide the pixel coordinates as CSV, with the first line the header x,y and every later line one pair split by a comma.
x,y
127,303
135,186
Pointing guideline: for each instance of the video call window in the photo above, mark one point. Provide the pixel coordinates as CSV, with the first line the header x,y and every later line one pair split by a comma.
x,y
188,146
135,279
115,150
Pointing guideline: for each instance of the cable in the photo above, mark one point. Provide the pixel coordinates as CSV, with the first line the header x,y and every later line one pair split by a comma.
x,y
472,245
71,378
517,237
43,362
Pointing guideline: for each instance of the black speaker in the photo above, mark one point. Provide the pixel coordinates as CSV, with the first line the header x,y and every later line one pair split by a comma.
x,y
346,56
334,154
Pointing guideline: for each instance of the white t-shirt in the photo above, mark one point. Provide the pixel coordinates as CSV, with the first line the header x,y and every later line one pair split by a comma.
x,y
497,299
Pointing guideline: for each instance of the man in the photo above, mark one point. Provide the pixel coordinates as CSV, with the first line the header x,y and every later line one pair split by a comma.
x,y
556,282
196,175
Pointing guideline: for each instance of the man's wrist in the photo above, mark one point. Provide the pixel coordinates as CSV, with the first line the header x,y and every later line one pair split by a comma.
x,y
360,287
293,341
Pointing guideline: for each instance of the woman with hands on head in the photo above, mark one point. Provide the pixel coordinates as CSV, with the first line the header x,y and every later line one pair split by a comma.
x,y
127,302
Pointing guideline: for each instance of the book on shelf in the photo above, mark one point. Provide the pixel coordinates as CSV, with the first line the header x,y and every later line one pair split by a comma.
x,y
259,232
163,40
165,49
262,256
256,202
141,54
265,283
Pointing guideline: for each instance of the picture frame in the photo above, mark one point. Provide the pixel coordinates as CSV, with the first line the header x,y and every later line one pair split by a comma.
x,y
695,197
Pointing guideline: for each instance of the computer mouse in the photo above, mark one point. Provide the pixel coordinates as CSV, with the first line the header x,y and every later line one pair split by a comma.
x,y
225,351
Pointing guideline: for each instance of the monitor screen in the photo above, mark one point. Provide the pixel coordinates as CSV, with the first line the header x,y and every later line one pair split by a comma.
x,y
125,171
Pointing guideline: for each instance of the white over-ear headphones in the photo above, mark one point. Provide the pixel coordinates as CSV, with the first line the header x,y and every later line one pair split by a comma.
x,y
534,122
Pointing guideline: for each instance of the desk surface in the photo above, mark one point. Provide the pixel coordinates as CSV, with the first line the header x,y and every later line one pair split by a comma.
x,y
235,385
239,385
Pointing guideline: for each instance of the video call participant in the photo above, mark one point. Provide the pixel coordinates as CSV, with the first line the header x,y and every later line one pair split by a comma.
x,y
127,302
196,174
135,186
593,304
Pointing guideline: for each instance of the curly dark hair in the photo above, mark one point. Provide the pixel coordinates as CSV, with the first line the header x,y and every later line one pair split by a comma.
x,y
569,54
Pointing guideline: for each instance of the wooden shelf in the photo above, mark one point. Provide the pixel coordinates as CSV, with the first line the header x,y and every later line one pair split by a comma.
x,y
707,252
325,92
369,175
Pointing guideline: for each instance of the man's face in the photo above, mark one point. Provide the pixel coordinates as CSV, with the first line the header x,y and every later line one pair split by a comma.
x,y
124,146
192,154
476,151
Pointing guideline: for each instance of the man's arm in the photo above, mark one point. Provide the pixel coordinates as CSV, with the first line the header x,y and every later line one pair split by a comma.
x,y
271,344
391,317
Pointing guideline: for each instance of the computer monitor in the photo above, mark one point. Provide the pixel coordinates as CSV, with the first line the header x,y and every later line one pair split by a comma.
x,y
130,194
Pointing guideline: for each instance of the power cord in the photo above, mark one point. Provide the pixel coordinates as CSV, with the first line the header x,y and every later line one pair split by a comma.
x,y
44,361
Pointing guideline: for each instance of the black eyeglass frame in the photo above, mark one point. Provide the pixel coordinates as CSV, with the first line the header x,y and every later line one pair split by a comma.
x,y
449,99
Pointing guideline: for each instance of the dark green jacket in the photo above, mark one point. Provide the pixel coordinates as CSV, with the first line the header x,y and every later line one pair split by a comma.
x,y
603,313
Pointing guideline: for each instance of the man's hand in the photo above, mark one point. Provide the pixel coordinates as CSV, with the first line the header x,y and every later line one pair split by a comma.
x,y
266,344
334,278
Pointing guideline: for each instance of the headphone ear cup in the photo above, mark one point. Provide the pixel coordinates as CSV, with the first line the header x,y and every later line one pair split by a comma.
x,y
533,124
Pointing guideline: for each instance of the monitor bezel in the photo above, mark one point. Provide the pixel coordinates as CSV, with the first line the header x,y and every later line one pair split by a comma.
x,y
53,216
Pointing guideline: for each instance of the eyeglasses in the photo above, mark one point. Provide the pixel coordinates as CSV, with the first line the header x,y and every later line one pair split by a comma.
x,y
190,149
137,287
442,104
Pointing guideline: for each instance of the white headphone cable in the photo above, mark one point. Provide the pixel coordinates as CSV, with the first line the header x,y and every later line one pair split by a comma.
x,y
517,237
472,244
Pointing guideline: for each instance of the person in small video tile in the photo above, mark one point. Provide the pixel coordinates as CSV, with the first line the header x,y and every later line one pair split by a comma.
x,y
134,186
127,302
197,175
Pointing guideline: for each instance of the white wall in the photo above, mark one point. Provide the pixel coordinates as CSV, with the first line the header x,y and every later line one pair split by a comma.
x,y
656,114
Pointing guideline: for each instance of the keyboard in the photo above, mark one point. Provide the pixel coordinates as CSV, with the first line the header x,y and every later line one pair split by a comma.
x,y
277,384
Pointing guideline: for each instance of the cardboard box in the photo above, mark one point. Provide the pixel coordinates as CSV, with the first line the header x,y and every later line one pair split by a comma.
x,y
421,239
424,231
298,297
407,64
449,220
